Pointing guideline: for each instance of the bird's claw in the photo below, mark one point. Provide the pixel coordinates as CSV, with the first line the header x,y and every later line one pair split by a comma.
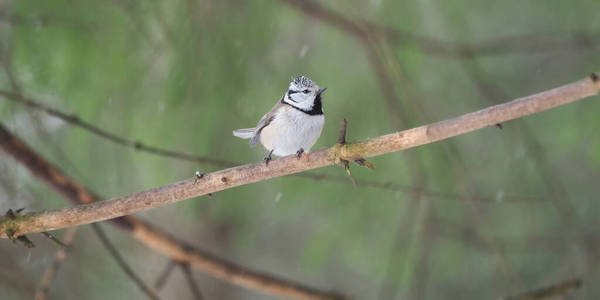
x,y
268,158
198,176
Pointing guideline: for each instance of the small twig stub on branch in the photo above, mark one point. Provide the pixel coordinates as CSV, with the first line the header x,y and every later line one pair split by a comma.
x,y
11,217
338,156
342,135
54,239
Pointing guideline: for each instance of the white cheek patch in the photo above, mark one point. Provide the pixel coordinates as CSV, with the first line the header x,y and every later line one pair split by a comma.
x,y
297,97
301,100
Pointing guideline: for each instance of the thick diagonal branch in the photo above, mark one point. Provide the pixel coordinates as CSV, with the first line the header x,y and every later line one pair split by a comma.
x,y
154,238
246,174
76,121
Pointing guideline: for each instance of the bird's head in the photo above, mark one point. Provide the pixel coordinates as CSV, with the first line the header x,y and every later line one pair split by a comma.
x,y
302,93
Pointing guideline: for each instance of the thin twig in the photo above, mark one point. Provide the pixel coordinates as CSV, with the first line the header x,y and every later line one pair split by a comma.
x,y
555,291
6,60
342,135
347,168
53,238
246,174
187,273
40,20
122,263
391,186
164,275
342,142
75,120
43,289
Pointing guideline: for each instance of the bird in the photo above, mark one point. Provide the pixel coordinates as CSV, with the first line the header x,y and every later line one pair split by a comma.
x,y
293,125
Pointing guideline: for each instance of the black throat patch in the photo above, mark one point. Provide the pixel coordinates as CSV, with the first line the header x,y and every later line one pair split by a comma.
x,y
317,108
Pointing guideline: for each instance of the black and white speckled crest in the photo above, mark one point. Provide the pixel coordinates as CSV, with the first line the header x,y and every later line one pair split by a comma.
x,y
303,82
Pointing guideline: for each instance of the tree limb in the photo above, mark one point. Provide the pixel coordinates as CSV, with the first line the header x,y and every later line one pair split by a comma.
x,y
123,264
554,291
189,277
154,238
164,275
246,174
76,121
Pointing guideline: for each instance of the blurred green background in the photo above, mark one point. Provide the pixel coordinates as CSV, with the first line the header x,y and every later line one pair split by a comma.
x,y
480,216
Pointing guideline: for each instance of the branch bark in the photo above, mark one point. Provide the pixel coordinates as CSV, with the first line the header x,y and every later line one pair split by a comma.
x,y
250,173
154,238
139,146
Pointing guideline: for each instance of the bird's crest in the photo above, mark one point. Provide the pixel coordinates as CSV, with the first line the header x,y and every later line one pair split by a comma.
x,y
303,82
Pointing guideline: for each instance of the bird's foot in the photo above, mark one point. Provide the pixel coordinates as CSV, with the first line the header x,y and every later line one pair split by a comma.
x,y
198,176
301,153
268,158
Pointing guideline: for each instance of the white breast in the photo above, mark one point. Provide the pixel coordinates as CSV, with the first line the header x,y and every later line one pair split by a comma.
x,y
291,130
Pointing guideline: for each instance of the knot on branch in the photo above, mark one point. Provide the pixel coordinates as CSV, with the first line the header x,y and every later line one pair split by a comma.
x,y
342,153
347,152
9,226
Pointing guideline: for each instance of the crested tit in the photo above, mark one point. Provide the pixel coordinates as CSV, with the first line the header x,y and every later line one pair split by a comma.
x,y
293,125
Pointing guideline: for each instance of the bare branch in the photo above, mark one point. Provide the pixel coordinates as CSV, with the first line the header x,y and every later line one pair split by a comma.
x,y
164,275
41,20
246,174
6,60
76,121
156,239
554,291
43,289
342,134
53,238
187,272
428,193
122,263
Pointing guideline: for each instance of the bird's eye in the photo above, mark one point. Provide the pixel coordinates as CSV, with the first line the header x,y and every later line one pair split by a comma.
x,y
306,91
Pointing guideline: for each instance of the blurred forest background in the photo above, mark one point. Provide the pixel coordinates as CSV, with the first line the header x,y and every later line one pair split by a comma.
x,y
480,216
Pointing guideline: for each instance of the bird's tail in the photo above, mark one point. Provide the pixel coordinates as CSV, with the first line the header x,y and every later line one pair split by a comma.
x,y
244,133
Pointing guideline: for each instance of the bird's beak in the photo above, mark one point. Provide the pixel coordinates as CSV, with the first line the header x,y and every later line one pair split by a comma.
x,y
321,90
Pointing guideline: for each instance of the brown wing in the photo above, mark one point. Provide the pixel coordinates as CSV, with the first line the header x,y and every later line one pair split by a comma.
x,y
264,121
